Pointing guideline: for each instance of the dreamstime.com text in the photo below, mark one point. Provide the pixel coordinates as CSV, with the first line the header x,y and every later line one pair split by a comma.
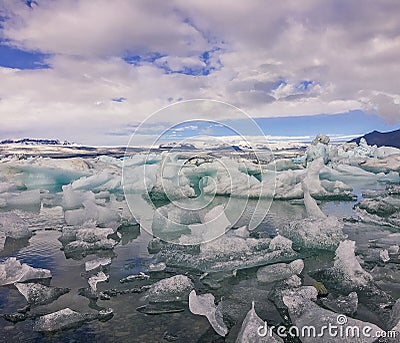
x,y
341,330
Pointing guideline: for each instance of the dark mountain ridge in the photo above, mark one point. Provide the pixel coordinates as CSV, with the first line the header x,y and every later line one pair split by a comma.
x,y
391,138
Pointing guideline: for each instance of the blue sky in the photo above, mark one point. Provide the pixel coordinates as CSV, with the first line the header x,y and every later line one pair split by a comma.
x,y
90,71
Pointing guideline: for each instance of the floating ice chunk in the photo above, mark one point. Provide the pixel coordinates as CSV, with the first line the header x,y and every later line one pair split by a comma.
x,y
94,280
347,268
384,256
316,232
385,165
336,187
311,233
312,208
343,304
38,294
204,305
280,243
92,235
14,226
67,319
228,253
12,271
348,273
365,150
26,199
134,277
102,215
170,221
175,288
318,149
250,331
384,211
321,138
157,267
242,232
105,180
308,316
86,239
73,199
96,263
279,271
214,224
385,151
289,287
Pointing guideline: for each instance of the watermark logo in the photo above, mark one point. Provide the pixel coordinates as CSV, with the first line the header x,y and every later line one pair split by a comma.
x,y
340,329
195,179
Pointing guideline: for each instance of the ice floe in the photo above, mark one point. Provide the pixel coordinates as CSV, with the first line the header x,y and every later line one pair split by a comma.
x,y
12,271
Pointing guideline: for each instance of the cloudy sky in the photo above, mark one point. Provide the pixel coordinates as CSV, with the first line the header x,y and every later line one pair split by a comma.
x,y
91,71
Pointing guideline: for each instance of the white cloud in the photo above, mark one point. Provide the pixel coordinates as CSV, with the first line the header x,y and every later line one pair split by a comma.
x,y
348,50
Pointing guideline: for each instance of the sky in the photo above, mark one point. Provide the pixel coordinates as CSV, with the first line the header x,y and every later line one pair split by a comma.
x,y
92,71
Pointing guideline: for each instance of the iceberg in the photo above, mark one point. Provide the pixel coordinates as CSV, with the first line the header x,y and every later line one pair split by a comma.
x,y
204,305
12,271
